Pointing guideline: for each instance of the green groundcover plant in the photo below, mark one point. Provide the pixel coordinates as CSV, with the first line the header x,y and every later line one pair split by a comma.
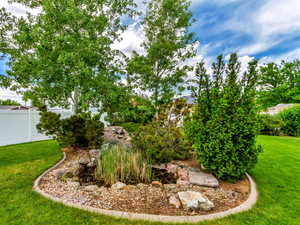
x,y
225,122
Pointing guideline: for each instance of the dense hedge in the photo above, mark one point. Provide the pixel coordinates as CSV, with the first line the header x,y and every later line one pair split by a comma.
x,y
291,121
225,122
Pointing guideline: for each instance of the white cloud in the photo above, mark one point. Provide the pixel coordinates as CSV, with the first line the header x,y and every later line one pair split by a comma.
x,y
7,94
17,9
274,22
132,39
289,56
279,17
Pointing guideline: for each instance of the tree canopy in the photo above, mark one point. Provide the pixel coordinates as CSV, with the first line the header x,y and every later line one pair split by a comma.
x,y
168,43
9,102
279,83
63,55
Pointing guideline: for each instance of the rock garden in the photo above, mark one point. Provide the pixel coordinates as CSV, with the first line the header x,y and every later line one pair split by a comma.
x,y
170,159
176,188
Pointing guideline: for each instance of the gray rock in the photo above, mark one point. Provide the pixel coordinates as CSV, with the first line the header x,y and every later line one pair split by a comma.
x,y
118,186
174,201
92,163
172,168
59,173
195,200
159,166
200,178
84,161
75,170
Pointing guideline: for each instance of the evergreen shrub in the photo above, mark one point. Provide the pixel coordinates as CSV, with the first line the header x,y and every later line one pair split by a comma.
x,y
225,122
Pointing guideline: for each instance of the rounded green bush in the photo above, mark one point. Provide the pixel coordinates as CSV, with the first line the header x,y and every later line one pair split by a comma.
x,y
291,121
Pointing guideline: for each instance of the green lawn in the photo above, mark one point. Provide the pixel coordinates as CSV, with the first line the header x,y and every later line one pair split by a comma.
x,y
277,175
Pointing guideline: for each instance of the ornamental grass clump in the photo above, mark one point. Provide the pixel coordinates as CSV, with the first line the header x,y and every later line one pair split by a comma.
x,y
119,164
225,122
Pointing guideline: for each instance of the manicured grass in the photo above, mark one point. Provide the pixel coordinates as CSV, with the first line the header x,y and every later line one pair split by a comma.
x,y
277,175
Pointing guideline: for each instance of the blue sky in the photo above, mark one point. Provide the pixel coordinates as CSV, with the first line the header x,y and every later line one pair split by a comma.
x,y
265,29
268,30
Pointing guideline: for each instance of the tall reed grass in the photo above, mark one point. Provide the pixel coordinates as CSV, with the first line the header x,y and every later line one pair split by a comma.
x,y
118,163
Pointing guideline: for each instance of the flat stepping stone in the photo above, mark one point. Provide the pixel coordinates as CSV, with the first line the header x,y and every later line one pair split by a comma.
x,y
201,178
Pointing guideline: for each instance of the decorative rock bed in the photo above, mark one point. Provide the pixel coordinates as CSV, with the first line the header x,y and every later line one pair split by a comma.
x,y
196,195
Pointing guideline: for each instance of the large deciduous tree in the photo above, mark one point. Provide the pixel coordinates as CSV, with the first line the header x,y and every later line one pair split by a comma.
x,y
279,83
64,53
168,44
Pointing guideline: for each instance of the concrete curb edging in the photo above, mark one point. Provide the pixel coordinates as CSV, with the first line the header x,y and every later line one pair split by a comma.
x,y
247,205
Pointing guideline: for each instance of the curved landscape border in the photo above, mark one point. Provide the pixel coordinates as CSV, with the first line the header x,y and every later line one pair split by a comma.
x,y
248,204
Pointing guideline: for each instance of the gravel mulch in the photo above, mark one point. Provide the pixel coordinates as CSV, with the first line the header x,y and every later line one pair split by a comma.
x,y
142,198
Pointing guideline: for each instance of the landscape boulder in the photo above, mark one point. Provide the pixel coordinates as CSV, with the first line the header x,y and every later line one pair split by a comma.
x,y
195,200
59,173
118,186
117,135
198,177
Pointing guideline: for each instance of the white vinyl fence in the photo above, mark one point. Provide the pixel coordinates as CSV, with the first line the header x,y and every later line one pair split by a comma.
x,y
19,126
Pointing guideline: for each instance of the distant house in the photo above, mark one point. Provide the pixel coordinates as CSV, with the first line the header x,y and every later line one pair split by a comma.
x,y
277,109
7,107
13,107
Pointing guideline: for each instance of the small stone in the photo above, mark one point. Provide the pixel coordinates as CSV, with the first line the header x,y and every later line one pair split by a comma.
x,y
84,161
183,174
118,186
172,168
119,131
91,188
182,182
94,153
170,186
59,173
141,185
156,184
128,187
200,178
195,200
174,201
92,163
